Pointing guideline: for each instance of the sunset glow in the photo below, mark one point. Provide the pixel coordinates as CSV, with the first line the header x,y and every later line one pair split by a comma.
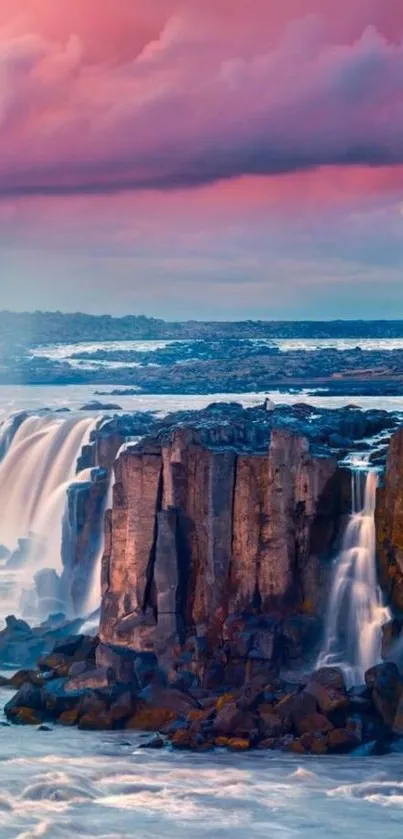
x,y
223,158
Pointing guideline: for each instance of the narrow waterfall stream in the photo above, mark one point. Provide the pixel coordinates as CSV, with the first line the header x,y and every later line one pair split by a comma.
x,y
355,612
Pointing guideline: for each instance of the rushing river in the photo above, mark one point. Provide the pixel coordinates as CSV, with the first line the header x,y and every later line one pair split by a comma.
x,y
65,783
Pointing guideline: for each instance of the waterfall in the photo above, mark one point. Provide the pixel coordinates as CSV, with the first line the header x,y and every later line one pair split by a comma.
x,y
38,466
355,612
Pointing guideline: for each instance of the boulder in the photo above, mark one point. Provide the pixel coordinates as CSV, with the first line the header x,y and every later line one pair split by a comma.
x,y
392,633
170,699
32,677
252,693
147,718
341,740
313,724
121,659
231,721
296,706
328,688
398,718
68,718
122,708
97,678
270,724
77,647
386,687
26,716
97,721
314,743
56,699
28,696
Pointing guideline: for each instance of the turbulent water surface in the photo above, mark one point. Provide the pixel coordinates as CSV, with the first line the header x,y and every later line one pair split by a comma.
x,y
65,783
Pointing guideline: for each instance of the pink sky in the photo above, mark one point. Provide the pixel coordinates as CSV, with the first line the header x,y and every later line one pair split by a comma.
x,y
202,158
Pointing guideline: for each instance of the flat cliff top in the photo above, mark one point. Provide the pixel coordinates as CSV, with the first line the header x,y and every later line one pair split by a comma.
x,y
230,426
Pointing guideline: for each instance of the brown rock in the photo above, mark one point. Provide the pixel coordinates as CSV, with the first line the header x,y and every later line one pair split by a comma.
x,y
268,535
91,704
386,685
230,719
295,746
56,663
315,743
197,716
328,688
94,679
225,699
171,699
295,706
95,721
199,482
252,692
269,743
398,719
341,740
221,742
25,716
270,724
122,708
128,548
389,523
230,529
150,719
184,739
68,718
31,677
314,723
238,744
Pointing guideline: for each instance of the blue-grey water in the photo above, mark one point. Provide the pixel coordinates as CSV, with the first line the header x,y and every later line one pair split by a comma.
x,y
65,783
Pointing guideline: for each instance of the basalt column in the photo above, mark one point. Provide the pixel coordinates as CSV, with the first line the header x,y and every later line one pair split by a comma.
x,y
198,532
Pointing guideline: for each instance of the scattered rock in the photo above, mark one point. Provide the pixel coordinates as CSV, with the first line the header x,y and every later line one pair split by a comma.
x,y
387,687
327,686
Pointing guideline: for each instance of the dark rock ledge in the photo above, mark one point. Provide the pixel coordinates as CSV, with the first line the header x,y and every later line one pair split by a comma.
x,y
85,683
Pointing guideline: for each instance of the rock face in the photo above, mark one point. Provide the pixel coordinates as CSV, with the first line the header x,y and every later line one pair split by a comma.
x,y
82,534
389,524
200,531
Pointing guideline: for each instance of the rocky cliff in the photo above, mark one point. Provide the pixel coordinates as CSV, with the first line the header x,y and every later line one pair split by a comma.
x,y
389,524
203,534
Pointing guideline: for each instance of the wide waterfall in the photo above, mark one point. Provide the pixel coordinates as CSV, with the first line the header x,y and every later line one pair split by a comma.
x,y
355,612
39,464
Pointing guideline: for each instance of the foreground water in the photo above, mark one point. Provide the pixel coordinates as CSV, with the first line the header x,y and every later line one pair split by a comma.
x,y
66,783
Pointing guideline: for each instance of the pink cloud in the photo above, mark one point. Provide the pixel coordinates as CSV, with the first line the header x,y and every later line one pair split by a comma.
x,y
104,97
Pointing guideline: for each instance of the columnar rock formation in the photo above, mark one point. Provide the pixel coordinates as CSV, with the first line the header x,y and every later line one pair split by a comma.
x,y
389,523
200,531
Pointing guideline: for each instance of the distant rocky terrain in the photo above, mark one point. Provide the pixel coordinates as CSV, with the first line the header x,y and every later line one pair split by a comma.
x,y
37,328
213,365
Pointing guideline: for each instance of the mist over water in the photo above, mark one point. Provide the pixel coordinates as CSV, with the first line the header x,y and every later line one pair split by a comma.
x,y
38,466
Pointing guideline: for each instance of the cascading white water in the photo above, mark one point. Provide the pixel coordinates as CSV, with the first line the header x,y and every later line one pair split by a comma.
x,y
355,612
38,466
